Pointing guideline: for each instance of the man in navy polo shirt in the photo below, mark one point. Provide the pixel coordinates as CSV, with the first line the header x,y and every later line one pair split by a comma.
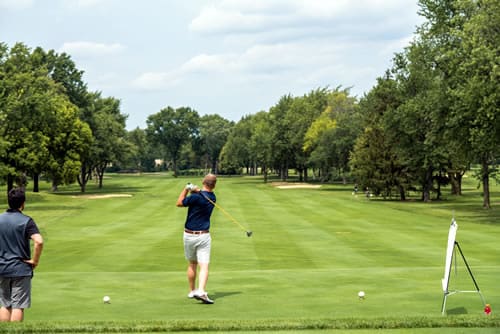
x,y
16,263
197,240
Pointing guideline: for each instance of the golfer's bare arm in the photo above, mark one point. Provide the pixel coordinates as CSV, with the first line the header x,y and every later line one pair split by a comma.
x,y
182,195
37,249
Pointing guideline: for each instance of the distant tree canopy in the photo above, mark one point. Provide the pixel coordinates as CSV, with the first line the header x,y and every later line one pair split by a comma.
x,y
50,122
430,117
436,112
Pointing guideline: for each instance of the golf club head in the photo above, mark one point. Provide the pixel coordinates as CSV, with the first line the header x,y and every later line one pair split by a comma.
x,y
249,233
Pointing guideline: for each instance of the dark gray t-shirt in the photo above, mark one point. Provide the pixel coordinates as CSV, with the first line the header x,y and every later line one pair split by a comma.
x,y
16,230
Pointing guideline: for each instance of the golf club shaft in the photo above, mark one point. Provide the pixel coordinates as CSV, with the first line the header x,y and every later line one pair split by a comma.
x,y
224,211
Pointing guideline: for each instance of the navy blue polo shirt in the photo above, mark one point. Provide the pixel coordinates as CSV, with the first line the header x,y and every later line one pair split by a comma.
x,y
199,210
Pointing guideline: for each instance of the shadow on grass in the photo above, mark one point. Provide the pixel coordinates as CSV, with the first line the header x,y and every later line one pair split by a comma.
x,y
114,189
457,311
218,295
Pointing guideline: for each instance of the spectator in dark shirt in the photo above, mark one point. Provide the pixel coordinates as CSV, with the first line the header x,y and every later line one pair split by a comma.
x,y
16,262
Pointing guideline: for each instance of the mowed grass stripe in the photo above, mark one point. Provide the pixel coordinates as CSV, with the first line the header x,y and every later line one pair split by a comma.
x,y
117,228
311,252
274,242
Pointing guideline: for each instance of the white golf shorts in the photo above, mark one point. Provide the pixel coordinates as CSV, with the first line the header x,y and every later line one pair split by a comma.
x,y
197,247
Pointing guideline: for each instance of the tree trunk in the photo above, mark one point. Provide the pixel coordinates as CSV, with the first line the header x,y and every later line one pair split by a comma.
x,y
84,177
100,175
402,193
485,175
453,183
214,166
36,183
175,167
284,172
10,183
427,186
459,178
456,182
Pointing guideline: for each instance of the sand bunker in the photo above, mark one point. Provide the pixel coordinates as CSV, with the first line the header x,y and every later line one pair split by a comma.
x,y
285,185
101,196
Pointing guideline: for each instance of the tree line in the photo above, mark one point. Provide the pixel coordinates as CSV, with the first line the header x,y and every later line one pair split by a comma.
x,y
427,119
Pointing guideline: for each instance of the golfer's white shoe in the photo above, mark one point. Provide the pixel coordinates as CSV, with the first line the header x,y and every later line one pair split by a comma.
x,y
203,297
192,294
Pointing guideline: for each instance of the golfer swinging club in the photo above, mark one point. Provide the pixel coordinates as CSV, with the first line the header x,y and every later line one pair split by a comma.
x,y
197,240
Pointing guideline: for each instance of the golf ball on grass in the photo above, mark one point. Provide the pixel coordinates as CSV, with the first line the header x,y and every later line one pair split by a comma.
x,y
106,299
361,295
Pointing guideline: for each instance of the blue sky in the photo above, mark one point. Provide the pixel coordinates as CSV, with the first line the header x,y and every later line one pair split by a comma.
x,y
226,57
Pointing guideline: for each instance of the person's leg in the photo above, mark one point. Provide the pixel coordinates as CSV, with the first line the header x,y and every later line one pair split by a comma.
x,y
203,255
5,299
190,254
191,274
17,314
21,297
203,277
5,313
202,294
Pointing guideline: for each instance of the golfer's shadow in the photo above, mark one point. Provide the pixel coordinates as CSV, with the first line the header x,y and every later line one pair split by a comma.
x,y
218,295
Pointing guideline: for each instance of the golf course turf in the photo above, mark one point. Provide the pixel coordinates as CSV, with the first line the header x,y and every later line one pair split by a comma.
x,y
311,252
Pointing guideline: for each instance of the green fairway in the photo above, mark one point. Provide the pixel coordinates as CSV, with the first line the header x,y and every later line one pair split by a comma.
x,y
311,251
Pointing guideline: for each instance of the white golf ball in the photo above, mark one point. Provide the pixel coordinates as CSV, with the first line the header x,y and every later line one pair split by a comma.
x,y
361,294
106,299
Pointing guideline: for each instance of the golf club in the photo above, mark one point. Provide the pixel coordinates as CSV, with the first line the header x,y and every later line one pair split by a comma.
x,y
248,233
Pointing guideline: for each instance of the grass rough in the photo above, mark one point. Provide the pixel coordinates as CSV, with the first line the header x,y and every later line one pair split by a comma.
x,y
35,327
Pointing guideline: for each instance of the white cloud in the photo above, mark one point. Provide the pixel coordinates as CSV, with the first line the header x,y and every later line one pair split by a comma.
x,y
202,64
245,16
258,61
87,4
15,4
83,48
155,81
292,43
209,63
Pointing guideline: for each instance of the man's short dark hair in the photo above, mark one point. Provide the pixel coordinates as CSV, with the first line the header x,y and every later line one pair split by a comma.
x,y
16,198
210,180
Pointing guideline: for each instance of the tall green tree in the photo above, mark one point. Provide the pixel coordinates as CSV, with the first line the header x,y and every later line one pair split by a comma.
x,y
33,106
108,144
62,69
261,142
142,157
235,153
214,131
282,152
374,161
437,35
331,136
70,137
477,97
171,129
302,113
464,39
414,128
